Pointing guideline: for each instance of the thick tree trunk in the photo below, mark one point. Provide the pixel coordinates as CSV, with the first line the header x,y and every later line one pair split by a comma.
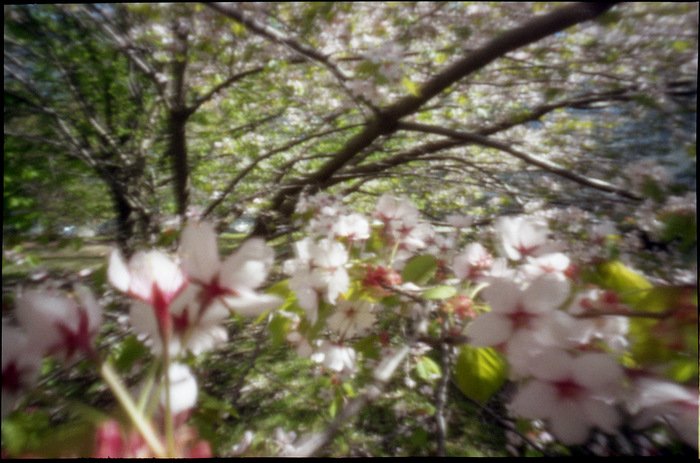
x,y
178,156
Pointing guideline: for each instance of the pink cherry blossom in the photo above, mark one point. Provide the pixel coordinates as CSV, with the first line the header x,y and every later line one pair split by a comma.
x,y
231,283
317,271
20,365
658,400
58,324
472,263
573,394
514,309
351,318
522,236
150,277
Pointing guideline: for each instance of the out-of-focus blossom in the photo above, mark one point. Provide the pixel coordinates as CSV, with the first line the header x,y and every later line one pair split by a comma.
x,y
574,394
58,324
183,389
336,357
111,441
522,236
151,278
317,271
20,365
472,263
656,400
230,283
514,309
351,318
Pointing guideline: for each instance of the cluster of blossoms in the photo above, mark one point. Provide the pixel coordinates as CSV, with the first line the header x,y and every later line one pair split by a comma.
x,y
567,362
357,281
562,339
179,305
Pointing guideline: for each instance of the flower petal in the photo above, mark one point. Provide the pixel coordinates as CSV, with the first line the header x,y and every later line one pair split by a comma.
x,y
545,293
489,329
502,295
252,304
117,272
535,399
248,266
199,251
597,371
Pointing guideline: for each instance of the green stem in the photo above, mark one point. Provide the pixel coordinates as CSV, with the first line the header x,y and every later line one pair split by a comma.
x,y
169,425
147,387
124,399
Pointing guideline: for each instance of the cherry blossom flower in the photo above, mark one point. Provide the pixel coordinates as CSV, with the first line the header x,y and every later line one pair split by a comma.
x,y
150,277
336,357
514,309
58,324
20,365
574,394
522,236
472,263
657,400
351,318
353,226
390,209
556,262
317,271
183,389
231,283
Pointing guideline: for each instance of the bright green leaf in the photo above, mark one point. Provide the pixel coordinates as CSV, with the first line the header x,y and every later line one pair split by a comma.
x,y
427,369
440,292
479,372
420,269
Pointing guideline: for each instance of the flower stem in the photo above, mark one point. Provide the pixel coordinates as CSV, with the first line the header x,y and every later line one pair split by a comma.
x,y
169,426
124,399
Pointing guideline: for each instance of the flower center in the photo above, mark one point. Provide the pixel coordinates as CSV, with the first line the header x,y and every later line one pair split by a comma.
x,y
568,389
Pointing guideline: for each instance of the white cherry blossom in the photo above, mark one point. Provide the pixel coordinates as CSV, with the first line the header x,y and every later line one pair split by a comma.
x,y
183,389
514,309
472,262
336,357
317,271
522,236
231,283
21,361
351,318
59,324
574,394
658,400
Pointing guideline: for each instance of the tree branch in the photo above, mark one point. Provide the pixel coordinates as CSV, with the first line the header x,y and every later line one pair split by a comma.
x,y
386,123
530,159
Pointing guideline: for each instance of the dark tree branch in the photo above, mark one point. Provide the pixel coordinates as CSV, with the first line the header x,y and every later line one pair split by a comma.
x,y
386,123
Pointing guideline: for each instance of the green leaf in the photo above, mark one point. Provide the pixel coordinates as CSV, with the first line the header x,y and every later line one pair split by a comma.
x,y
214,406
420,269
630,285
479,372
368,346
440,292
279,326
427,369
127,353
683,227
411,87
